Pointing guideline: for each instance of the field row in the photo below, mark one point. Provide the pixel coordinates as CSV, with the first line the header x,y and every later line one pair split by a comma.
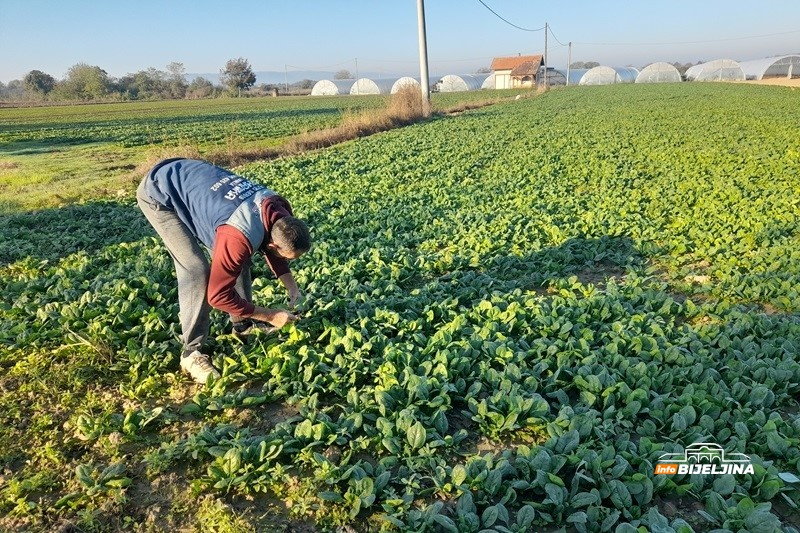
x,y
191,121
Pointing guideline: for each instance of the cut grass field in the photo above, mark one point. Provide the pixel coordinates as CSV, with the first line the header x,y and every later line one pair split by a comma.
x,y
513,313
52,156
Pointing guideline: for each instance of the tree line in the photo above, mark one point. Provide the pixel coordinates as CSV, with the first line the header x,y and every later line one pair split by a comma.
x,y
84,82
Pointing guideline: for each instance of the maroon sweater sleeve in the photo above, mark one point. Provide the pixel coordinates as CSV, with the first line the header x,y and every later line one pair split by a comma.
x,y
273,209
232,251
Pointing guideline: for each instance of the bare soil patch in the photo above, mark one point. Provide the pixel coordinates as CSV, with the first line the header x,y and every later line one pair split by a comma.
x,y
782,82
599,274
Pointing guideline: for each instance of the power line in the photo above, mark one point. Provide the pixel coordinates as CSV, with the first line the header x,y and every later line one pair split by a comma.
x,y
692,42
550,28
320,68
506,21
379,60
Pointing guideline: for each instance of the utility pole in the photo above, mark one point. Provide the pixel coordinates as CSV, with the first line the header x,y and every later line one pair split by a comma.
x,y
546,28
423,59
569,61
357,88
286,78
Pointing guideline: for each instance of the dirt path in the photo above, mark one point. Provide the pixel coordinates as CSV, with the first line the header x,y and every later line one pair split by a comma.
x,y
783,82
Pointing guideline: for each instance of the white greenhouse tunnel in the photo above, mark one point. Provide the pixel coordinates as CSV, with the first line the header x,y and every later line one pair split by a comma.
x,y
405,81
717,70
786,66
331,87
604,75
465,82
659,72
372,86
601,75
555,77
772,67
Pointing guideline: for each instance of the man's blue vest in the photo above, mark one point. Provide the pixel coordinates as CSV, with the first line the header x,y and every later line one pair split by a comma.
x,y
205,196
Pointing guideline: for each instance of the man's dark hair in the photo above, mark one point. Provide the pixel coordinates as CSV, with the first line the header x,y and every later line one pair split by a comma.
x,y
291,234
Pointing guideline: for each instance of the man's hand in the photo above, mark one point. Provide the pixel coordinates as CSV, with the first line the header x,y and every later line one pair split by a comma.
x,y
281,318
276,317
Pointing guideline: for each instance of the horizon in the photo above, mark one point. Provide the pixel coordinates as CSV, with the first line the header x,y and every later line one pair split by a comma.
x,y
362,36
296,76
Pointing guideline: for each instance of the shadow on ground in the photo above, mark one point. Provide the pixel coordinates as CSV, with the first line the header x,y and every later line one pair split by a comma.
x,y
50,234
592,260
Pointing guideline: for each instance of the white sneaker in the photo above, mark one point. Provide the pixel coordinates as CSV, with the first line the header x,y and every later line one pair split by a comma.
x,y
199,367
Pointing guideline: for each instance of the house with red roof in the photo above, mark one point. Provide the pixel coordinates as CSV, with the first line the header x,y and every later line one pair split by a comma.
x,y
516,71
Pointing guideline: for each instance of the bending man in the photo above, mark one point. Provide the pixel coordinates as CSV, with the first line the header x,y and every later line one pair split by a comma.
x,y
193,203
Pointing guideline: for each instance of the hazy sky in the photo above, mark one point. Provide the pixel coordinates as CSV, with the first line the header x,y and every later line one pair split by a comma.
x,y
123,37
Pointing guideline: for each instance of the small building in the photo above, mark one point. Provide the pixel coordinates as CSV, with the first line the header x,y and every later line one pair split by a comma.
x,y
516,71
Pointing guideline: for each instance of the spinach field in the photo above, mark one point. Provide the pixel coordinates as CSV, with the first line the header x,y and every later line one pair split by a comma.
x,y
57,155
511,315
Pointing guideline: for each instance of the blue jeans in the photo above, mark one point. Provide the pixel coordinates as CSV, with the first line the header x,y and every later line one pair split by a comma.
x,y
192,270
